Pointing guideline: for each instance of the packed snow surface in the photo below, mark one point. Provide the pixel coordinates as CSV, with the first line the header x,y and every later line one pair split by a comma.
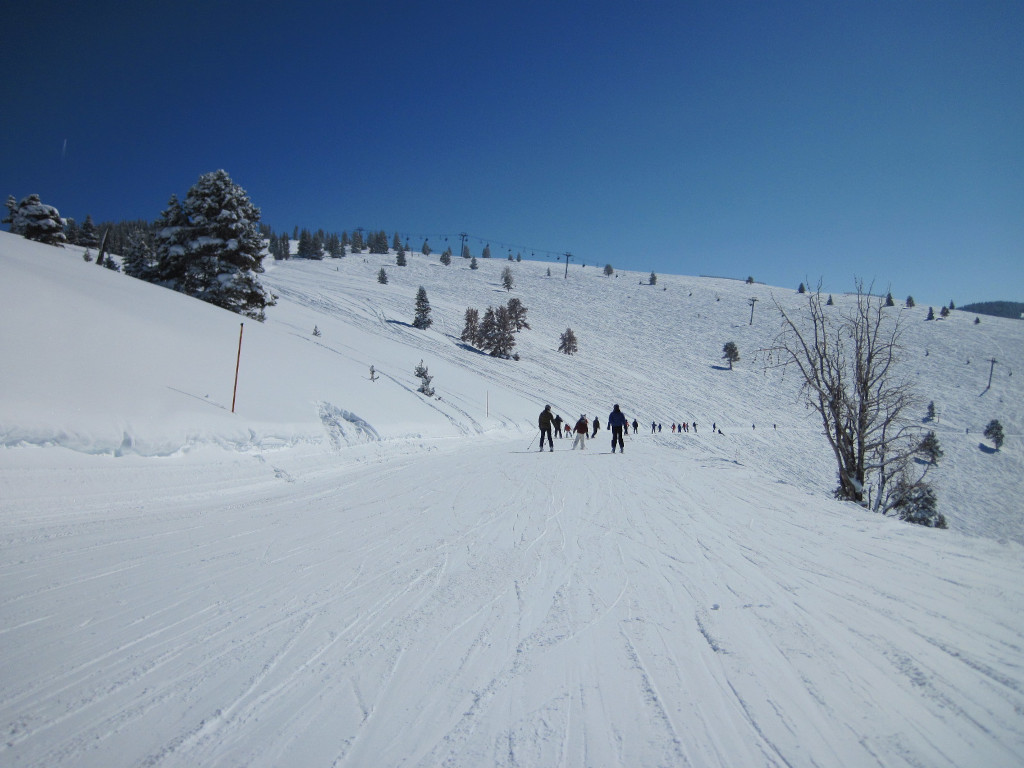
x,y
344,572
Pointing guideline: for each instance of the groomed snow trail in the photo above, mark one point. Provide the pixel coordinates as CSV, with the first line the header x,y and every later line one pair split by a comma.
x,y
487,604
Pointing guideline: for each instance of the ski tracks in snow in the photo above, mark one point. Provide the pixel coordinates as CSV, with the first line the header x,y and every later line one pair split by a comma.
x,y
489,606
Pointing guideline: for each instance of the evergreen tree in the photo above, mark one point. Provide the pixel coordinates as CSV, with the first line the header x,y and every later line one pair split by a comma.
x,y
307,246
952,306
802,288
425,250
519,257
930,448
567,343
473,264
829,303
609,270
977,320
730,353
931,314
517,315
549,271
212,248
916,503
910,301
35,220
139,257
471,327
379,243
487,251
930,415
889,300
422,319
357,242
498,332
12,210
88,236
507,279
396,242
425,378
994,432
400,258
944,311
653,279
750,280
446,258
465,251
382,277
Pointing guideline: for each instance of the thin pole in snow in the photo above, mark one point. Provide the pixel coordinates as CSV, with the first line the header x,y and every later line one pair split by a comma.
x,y
238,362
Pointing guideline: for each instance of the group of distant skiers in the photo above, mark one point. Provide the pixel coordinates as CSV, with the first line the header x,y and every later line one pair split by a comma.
x,y
617,423
551,423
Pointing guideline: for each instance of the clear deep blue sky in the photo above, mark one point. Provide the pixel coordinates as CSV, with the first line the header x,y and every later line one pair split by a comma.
x,y
788,141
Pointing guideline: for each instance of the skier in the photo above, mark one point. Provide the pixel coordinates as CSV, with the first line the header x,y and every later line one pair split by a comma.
x,y
558,426
597,426
544,422
636,426
582,429
654,427
617,421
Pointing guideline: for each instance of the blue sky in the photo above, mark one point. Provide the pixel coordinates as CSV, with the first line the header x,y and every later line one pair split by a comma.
x,y
788,141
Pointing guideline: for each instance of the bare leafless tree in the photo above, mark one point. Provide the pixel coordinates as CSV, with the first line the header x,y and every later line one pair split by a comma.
x,y
849,367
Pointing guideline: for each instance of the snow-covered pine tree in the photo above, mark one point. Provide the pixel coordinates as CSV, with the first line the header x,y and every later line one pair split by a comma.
x,y
425,249
382,277
400,257
653,279
446,258
210,246
567,344
473,264
889,301
87,234
609,270
916,503
425,378
422,319
487,251
910,302
35,220
507,279
930,415
931,313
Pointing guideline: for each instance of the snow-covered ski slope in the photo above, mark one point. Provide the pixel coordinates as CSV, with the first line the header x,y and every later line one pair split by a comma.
x,y
344,572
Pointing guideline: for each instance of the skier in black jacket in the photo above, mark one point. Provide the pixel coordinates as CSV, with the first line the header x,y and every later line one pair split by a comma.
x,y
544,422
617,422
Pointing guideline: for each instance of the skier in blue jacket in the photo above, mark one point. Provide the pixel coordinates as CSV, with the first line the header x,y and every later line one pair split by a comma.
x,y
617,422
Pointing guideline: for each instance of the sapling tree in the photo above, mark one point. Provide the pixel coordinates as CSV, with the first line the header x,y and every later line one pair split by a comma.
x,y
567,344
730,353
425,378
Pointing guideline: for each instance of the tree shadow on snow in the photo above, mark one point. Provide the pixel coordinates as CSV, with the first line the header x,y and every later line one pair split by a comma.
x,y
986,448
720,368
399,322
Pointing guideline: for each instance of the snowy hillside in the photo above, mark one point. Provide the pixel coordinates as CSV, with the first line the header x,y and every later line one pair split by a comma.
x,y
345,572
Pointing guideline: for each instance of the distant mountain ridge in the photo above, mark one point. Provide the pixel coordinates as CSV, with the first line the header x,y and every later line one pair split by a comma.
x,y
1010,309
